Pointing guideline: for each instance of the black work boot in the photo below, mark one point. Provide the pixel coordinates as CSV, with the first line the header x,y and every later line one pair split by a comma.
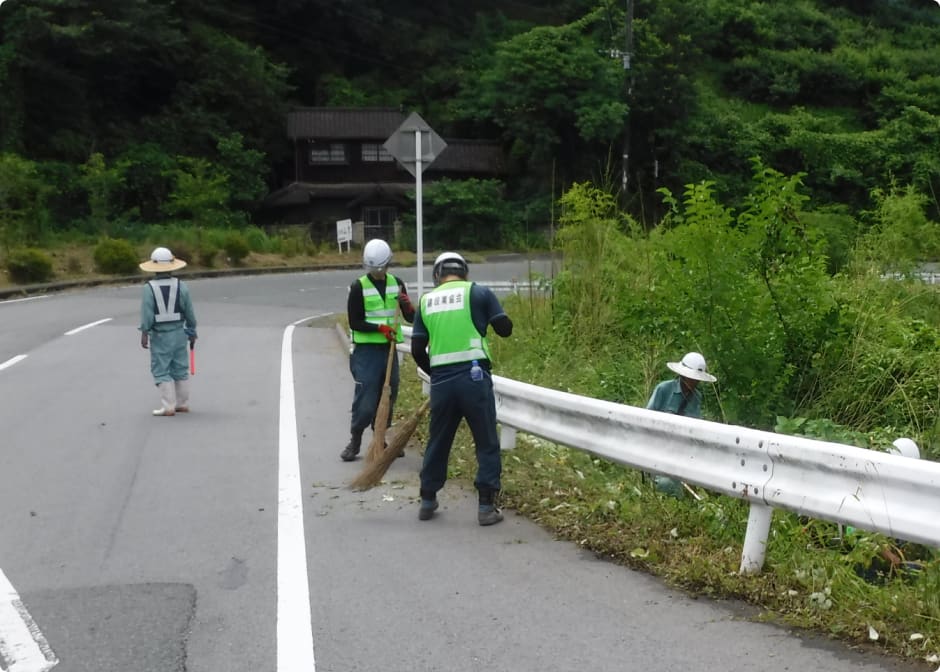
x,y
487,513
351,451
428,505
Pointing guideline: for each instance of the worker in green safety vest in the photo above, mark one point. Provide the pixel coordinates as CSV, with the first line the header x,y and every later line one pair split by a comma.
x,y
449,343
374,305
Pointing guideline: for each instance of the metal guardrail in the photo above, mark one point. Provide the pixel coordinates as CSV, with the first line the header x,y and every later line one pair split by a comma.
x,y
868,489
874,491
929,277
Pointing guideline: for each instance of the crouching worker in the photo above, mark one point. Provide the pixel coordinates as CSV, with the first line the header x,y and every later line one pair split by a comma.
x,y
167,324
892,556
680,396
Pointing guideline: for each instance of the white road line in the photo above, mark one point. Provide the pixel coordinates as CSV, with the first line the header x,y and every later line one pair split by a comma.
x,y
13,360
294,627
22,647
87,326
27,298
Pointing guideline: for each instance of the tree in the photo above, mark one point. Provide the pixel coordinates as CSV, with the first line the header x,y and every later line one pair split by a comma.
x,y
200,193
552,95
243,169
101,183
23,212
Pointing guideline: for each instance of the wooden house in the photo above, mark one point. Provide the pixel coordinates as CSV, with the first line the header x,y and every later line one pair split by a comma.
x,y
342,171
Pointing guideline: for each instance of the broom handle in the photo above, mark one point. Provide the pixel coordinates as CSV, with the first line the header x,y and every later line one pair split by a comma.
x,y
392,347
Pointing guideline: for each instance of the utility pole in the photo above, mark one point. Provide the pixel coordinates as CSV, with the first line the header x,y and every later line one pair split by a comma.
x,y
628,83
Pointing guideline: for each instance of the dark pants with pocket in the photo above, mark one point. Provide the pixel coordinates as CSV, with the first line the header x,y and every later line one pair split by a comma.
x,y
367,364
454,398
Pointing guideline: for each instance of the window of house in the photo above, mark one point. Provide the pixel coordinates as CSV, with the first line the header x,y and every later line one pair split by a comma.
x,y
379,221
331,152
375,153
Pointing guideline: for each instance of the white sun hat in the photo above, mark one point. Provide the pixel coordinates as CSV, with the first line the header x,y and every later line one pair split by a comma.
x,y
692,366
904,447
162,261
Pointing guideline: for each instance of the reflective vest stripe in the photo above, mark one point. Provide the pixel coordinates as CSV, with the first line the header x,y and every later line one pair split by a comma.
x,y
163,304
458,357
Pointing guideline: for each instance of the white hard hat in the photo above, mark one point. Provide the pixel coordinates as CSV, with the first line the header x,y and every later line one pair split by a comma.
x,y
905,448
692,366
376,255
162,261
449,263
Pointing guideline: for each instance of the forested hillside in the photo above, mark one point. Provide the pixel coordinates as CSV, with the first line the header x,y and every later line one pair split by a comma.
x,y
121,113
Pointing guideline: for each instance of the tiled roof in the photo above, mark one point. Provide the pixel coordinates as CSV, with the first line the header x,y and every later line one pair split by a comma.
x,y
299,193
343,123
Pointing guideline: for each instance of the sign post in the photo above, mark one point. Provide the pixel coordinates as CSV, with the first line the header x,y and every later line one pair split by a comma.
x,y
415,155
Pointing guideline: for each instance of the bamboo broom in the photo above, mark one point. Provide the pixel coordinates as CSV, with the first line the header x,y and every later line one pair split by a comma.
x,y
371,475
377,445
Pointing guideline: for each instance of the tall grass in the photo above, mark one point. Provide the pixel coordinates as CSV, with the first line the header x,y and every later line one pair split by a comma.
x,y
850,358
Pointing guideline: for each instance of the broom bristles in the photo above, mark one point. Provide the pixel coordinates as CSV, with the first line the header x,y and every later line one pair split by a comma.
x,y
375,470
381,425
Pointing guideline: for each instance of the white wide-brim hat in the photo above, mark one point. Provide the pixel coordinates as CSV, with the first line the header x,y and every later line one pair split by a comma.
x,y
162,261
905,447
692,366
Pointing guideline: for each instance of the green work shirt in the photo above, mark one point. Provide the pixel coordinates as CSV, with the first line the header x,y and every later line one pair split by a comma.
x,y
453,338
667,397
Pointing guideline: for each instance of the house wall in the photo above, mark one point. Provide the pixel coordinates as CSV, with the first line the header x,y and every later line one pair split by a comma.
x,y
354,169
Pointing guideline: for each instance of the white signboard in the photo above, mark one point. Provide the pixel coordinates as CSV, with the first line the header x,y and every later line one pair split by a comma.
x,y
344,233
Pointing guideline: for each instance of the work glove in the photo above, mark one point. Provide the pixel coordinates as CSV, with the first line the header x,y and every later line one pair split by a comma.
x,y
191,334
144,340
387,331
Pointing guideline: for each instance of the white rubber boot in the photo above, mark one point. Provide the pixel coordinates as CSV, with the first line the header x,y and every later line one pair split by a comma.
x,y
167,399
182,396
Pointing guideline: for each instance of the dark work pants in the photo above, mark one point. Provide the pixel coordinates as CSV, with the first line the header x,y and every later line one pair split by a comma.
x,y
453,399
367,364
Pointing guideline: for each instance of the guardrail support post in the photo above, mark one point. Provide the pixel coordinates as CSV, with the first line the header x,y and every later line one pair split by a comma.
x,y
507,437
755,538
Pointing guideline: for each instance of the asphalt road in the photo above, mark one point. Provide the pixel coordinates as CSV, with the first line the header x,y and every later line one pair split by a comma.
x,y
144,544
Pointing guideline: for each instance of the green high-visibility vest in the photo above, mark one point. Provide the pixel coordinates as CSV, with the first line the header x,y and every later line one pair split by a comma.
x,y
453,336
378,310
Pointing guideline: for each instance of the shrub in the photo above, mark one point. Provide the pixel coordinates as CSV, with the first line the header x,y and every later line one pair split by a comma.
x,y
207,255
181,250
73,265
256,238
236,247
115,256
29,265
